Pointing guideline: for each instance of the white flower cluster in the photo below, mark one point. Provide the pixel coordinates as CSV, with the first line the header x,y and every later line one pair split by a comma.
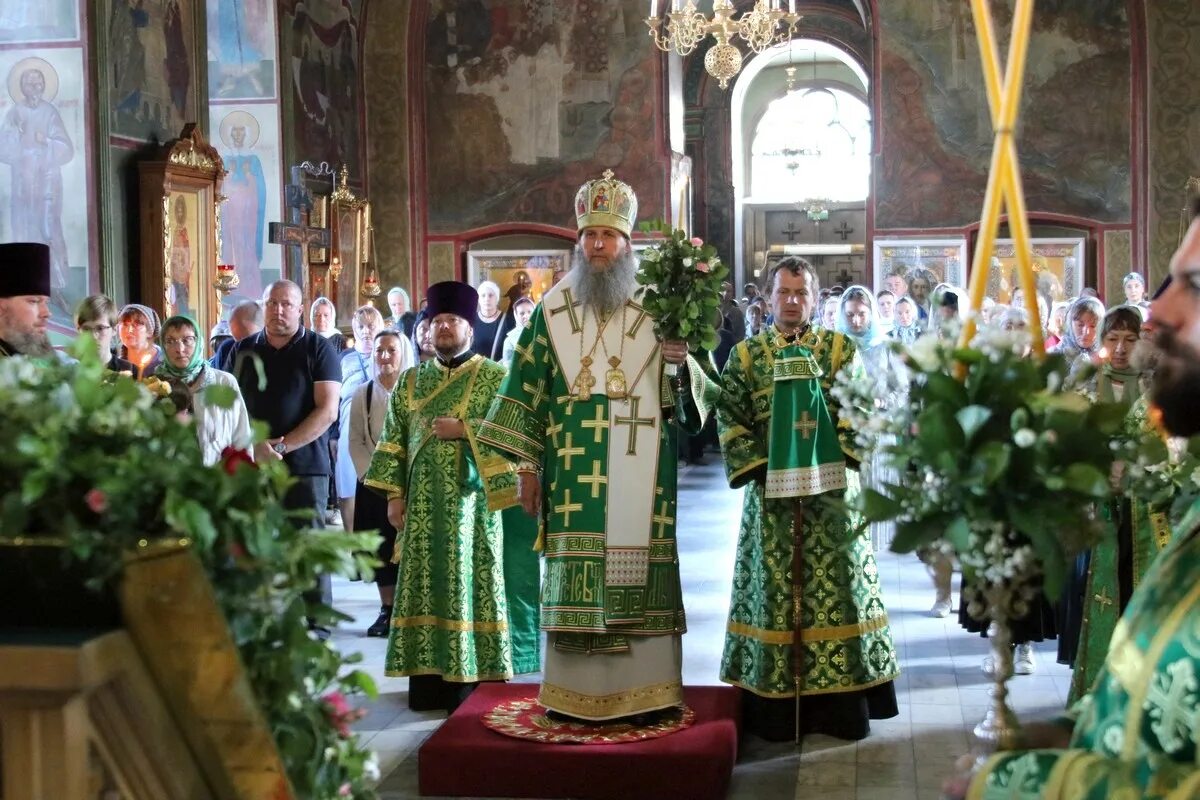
x,y
998,344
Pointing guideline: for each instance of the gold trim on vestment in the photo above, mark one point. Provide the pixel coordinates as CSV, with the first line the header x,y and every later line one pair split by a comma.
x,y
483,676
767,636
733,433
456,625
390,488
391,447
617,704
417,406
759,462
858,687
805,481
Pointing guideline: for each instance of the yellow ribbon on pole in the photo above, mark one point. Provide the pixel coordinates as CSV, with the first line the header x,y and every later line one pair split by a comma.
x,y
1004,188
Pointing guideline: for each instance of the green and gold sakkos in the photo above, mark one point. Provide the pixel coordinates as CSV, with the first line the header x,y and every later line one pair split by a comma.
x,y
450,616
538,419
799,451
1136,732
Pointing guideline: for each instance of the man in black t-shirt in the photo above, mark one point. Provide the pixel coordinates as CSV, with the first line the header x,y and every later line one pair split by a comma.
x,y
298,403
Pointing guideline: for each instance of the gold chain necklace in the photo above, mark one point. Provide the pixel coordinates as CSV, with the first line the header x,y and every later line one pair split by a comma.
x,y
614,380
615,385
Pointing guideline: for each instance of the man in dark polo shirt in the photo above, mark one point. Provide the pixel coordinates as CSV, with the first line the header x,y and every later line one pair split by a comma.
x,y
299,402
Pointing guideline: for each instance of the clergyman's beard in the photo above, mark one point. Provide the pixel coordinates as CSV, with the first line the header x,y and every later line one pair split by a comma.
x,y
1176,384
36,344
604,290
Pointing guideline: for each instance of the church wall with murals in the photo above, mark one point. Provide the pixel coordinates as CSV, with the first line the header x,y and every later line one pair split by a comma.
x,y
520,102
243,114
46,143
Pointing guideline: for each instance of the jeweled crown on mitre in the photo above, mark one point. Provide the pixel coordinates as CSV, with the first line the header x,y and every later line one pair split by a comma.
x,y
606,201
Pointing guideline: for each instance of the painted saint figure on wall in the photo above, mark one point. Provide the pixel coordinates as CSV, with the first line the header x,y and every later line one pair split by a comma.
x,y
245,187
35,144
181,257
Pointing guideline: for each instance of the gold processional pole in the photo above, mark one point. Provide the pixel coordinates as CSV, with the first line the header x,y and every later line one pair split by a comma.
x,y
1004,181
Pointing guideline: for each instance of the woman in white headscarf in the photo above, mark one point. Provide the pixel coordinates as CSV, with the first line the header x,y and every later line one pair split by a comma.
x,y
858,319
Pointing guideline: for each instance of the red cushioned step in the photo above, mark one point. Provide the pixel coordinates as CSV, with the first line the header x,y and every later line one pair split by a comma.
x,y
464,758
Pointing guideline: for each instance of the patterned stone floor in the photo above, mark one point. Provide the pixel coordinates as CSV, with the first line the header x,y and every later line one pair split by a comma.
x,y
942,691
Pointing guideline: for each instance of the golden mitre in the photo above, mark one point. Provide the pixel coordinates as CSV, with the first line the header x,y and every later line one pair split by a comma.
x,y
606,201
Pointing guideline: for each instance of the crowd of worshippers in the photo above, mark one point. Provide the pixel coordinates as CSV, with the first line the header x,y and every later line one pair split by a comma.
x,y
482,433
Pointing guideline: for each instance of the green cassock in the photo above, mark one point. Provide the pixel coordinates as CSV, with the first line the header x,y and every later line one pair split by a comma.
x,y
1135,734
1136,533
782,442
450,615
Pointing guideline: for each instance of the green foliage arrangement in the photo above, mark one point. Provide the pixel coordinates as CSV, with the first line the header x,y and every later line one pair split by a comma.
x,y
681,287
1163,471
1005,467
100,463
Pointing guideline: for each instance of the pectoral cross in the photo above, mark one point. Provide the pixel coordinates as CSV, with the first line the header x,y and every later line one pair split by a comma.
x,y
806,425
298,235
594,480
791,232
567,508
843,230
634,422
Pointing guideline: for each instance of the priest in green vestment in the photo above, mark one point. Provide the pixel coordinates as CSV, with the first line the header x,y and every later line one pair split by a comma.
x,y
445,491
1136,733
805,572
585,412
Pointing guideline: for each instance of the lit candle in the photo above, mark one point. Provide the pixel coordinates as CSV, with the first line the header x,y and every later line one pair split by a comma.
x,y
653,8
682,202
791,6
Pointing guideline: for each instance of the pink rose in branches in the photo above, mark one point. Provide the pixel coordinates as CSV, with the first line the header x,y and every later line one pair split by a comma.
x,y
697,241
702,266
96,500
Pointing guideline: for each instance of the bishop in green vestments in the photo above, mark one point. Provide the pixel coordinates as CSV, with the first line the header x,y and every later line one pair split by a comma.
x,y
445,491
1136,734
806,616
585,412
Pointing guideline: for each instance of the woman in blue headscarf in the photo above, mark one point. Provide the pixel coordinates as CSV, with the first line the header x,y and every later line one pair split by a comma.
x,y
1081,329
185,368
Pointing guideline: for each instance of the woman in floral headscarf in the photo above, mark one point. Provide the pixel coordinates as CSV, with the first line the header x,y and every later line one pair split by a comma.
x,y
1080,335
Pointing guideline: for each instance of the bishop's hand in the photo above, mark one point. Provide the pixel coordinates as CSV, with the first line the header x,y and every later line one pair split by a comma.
x,y
674,351
395,512
529,491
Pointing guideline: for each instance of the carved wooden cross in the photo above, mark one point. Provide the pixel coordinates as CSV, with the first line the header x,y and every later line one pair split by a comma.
x,y
791,232
298,235
843,230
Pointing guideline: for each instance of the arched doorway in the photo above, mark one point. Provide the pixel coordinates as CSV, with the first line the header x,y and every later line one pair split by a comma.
x,y
801,167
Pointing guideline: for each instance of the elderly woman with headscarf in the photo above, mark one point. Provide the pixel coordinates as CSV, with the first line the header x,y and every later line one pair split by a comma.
x,y
1079,335
137,327
184,367
858,319
323,318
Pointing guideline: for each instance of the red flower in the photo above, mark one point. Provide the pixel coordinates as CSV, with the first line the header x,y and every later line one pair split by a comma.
x,y
96,500
340,713
231,457
236,550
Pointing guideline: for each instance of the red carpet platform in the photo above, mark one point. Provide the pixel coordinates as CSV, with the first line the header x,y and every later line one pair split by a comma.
x,y
464,758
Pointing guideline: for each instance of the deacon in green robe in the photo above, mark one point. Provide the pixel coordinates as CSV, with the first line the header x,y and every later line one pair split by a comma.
x,y
445,491
800,547
585,411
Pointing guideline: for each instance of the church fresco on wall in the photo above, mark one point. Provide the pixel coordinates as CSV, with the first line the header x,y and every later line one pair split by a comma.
x,y
527,99
45,145
241,49
151,54
321,83
937,135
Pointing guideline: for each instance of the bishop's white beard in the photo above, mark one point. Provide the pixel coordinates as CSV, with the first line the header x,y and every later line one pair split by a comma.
x,y
604,291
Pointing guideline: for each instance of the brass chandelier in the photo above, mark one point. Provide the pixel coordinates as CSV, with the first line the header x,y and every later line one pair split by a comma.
x,y
686,28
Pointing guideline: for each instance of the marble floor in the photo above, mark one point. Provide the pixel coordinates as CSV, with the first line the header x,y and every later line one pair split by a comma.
x,y
942,691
